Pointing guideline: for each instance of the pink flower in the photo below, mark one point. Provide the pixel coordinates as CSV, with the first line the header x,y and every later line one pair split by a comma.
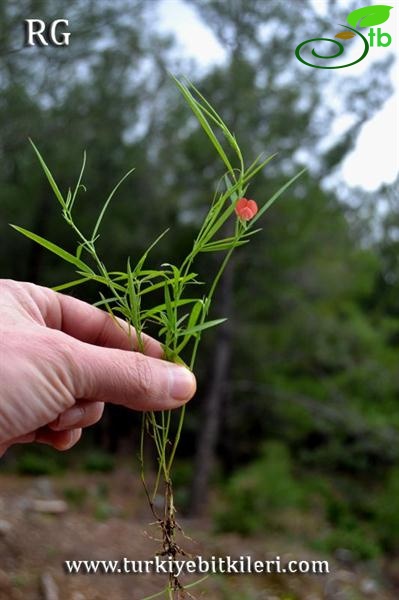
x,y
246,209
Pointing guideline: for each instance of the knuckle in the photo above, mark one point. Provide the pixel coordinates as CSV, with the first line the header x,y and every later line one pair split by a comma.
x,y
104,331
144,375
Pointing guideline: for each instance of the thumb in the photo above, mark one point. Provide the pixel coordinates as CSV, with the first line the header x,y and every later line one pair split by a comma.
x,y
130,378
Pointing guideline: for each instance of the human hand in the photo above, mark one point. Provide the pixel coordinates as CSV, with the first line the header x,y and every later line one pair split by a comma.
x,y
61,359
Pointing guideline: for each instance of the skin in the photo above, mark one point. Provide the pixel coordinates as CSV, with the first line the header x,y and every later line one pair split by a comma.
x,y
62,359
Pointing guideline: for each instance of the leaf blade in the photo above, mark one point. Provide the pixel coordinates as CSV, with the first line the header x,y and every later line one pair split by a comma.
x,y
275,196
67,256
49,176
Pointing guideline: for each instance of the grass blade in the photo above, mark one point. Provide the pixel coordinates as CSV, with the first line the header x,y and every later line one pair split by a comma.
x,y
108,200
204,123
275,197
54,249
49,176
202,326
73,198
65,286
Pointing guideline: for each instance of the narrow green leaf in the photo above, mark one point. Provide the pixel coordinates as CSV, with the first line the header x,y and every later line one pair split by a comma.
x,y
202,326
135,303
218,224
186,279
275,197
109,309
169,307
133,299
106,203
65,286
194,316
106,300
223,245
78,184
208,109
255,168
79,251
138,268
234,196
123,311
54,248
195,313
174,270
204,123
214,225
205,107
162,307
224,129
182,319
49,176
103,280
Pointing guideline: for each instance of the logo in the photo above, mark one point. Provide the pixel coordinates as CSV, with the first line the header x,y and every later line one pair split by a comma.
x,y
369,16
37,33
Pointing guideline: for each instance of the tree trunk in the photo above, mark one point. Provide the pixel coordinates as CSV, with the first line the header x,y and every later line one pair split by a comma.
x,y
209,428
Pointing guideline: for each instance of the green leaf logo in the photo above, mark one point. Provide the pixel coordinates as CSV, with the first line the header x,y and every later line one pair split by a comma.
x,y
369,15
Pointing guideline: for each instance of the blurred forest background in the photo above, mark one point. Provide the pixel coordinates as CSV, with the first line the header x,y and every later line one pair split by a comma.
x,y
298,400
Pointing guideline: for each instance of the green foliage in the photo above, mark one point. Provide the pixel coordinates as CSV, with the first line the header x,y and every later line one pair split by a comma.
x,y
359,540
76,495
39,462
316,296
179,320
351,522
351,514
103,511
254,494
387,512
182,478
97,461
125,290
102,508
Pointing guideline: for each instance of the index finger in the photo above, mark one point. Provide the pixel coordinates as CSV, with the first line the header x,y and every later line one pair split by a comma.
x,y
92,325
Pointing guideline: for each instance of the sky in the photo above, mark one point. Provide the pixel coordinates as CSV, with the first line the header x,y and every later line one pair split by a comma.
x,y
378,141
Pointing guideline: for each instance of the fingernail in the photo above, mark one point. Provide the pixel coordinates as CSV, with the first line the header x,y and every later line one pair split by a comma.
x,y
70,417
182,383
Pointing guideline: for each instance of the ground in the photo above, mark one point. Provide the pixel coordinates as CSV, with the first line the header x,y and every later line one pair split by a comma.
x,y
106,517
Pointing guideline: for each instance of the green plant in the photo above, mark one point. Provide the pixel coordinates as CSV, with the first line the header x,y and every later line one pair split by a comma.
x,y
97,461
387,512
182,477
182,317
34,462
354,537
103,510
75,495
255,493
